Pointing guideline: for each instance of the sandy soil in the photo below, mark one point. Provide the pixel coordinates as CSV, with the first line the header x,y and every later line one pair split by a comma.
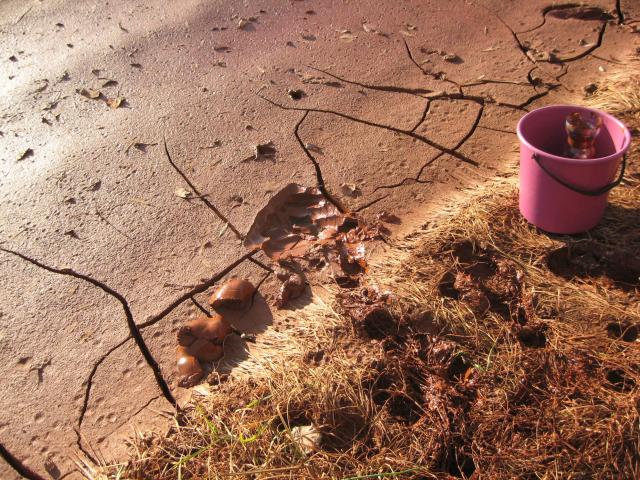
x,y
402,103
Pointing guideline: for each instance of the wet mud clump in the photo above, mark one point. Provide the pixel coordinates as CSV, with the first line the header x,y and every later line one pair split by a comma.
x,y
200,340
293,284
305,233
589,259
233,294
292,221
369,311
482,280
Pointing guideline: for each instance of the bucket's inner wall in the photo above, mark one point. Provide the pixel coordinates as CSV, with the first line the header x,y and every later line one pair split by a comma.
x,y
545,130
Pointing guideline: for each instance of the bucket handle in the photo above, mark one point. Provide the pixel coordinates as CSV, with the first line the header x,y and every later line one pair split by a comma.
x,y
590,193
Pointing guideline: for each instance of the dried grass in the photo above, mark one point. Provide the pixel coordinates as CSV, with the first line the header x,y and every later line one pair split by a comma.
x,y
394,406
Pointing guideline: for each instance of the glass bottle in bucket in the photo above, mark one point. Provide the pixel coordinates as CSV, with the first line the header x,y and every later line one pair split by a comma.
x,y
582,130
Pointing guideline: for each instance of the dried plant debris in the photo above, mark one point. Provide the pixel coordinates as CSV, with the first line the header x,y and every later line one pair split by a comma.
x,y
183,193
307,438
116,102
234,294
25,154
351,190
347,36
265,150
623,329
90,93
451,58
296,94
245,23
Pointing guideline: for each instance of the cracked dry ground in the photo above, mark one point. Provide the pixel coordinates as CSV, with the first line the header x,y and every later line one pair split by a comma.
x,y
95,241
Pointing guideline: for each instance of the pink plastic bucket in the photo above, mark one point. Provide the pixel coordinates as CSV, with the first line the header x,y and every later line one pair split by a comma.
x,y
566,195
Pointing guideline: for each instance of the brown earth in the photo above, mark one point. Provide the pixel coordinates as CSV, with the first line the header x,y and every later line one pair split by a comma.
x,y
407,101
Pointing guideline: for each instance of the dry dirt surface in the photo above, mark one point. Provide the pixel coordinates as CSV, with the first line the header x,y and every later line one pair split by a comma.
x,y
382,105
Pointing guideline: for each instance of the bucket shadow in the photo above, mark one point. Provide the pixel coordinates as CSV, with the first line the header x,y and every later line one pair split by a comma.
x,y
609,252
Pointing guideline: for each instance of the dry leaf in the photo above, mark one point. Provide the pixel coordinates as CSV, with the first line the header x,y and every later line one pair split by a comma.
x,y
351,189
406,34
90,93
42,87
347,36
182,192
202,389
296,94
369,28
313,148
115,102
25,154
215,144
262,150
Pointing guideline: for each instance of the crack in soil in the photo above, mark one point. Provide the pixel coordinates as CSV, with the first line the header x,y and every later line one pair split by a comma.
x,y
546,10
195,290
156,318
319,178
87,395
421,138
619,12
560,60
18,466
461,95
133,328
372,202
418,92
425,112
497,129
521,47
203,198
435,76
458,145
592,48
565,6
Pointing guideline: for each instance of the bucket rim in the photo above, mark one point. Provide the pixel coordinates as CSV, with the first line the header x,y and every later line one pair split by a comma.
x,y
578,161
